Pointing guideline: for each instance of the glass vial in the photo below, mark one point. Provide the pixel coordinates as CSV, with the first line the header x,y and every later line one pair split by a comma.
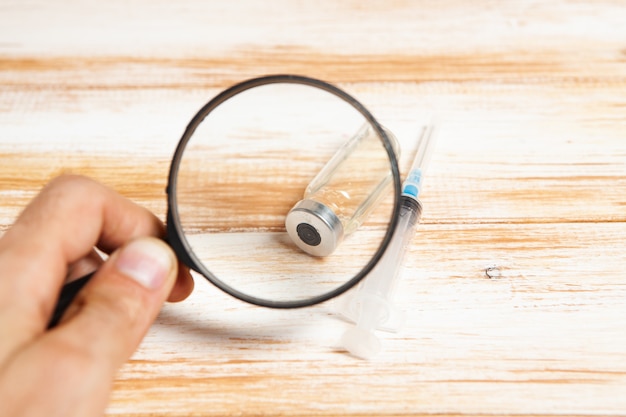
x,y
342,194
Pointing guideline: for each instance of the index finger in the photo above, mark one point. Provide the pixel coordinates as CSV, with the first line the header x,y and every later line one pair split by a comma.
x,y
70,216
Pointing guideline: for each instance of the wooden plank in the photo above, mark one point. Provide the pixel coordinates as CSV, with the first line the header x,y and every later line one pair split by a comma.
x,y
546,336
528,178
496,160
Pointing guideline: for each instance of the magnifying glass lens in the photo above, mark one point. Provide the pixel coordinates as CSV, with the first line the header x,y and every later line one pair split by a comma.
x,y
282,193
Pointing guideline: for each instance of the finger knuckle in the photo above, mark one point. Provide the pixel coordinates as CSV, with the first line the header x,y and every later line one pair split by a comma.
x,y
121,311
73,182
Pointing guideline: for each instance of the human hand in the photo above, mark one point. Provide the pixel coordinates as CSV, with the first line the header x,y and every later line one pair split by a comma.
x,y
68,371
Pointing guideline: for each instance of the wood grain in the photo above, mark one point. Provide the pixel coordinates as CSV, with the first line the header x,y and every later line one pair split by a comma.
x,y
528,178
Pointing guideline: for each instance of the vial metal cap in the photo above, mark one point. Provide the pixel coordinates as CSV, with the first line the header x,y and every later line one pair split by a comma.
x,y
314,227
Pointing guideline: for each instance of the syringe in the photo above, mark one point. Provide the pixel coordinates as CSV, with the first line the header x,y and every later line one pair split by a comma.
x,y
370,307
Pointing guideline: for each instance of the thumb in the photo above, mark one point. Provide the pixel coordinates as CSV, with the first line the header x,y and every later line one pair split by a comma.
x,y
111,315
98,333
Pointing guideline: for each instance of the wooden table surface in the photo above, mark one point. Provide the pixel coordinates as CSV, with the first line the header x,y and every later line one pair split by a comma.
x,y
529,176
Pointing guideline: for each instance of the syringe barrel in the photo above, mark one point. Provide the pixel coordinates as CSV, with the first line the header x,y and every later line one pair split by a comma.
x,y
383,277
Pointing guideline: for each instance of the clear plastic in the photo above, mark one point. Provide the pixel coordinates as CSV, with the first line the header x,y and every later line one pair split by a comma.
x,y
371,307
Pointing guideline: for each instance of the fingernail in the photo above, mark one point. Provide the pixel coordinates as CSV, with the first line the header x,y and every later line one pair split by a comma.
x,y
147,261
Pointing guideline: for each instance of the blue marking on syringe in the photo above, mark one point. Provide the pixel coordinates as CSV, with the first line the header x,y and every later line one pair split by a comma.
x,y
412,183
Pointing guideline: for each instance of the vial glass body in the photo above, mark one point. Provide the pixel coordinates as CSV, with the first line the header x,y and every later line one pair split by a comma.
x,y
343,194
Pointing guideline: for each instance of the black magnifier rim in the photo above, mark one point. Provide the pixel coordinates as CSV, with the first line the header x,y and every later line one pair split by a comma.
x,y
174,229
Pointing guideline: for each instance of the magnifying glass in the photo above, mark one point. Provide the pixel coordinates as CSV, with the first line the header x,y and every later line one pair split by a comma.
x,y
283,192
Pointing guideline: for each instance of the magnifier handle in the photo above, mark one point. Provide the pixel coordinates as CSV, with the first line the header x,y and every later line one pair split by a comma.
x,y
68,293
